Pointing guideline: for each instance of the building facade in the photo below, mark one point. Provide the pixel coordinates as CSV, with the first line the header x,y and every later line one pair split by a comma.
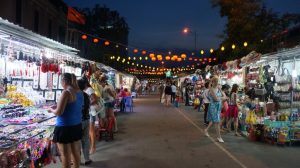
x,y
45,17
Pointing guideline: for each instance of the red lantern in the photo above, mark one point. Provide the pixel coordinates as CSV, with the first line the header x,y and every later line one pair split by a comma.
x,y
84,37
195,59
135,50
144,52
95,40
106,43
215,59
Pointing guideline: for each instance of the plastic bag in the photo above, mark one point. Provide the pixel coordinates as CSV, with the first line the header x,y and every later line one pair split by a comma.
x,y
197,102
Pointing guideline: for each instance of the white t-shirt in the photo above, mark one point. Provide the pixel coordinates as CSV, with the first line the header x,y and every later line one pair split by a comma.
x,y
106,96
205,96
89,91
173,88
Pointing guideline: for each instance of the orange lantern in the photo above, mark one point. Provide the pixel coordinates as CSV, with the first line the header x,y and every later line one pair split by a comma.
x,y
195,59
200,60
215,59
167,58
144,52
175,56
183,56
135,50
153,59
95,40
159,58
179,59
106,43
190,59
151,55
84,37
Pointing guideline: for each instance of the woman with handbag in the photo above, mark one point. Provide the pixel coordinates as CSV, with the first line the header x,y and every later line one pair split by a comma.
x,y
216,97
233,110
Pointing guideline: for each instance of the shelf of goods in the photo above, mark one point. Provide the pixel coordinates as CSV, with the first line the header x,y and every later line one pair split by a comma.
x,y
282,125
25,135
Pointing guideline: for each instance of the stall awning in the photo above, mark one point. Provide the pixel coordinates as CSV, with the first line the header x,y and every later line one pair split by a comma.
x,y
21,33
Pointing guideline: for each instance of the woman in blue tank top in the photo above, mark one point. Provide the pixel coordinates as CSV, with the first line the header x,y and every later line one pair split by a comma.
x,y
68,129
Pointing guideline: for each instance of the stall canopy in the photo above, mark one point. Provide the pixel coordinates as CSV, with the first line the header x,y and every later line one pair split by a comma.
x,y
11,31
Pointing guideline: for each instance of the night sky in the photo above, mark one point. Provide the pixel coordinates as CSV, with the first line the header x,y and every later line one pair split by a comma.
x,y
158,23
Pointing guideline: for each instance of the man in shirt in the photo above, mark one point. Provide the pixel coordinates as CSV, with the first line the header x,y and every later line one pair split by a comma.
x,y
173,96
205,101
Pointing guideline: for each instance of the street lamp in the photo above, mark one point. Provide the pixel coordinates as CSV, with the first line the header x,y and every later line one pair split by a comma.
x,y
187,30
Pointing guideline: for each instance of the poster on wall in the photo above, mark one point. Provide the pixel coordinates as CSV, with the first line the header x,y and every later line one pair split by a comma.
x,y
27,83
35,82
49,95
59,82
55,81
58,94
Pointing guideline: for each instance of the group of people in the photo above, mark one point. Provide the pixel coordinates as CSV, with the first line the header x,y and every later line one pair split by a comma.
x,y
220,107
82,102
168,92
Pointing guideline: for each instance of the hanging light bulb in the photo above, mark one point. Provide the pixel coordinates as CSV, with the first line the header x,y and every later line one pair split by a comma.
x,y
202,52
233,46
222,48
211,50
245,44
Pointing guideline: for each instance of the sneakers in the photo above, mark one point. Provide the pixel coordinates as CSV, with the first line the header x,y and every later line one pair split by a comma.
x,y
220,140
206,133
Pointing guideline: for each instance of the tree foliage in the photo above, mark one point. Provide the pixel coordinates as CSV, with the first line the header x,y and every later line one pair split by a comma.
x,y
107,24
251,21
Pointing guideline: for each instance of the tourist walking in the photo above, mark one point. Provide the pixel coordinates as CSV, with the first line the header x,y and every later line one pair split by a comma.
x,y
168,93
205,101
174,89
213,115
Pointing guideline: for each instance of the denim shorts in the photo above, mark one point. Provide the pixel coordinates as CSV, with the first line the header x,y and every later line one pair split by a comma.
x,y
109,105
92,119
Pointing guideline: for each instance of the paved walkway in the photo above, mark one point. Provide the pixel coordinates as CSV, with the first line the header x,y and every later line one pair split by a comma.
x,y
154,136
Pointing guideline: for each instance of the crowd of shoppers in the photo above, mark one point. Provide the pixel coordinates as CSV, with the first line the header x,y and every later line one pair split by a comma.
x,y
81,104
219,103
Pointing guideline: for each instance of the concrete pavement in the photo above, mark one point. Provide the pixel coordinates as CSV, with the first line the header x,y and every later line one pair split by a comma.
x,y
154,136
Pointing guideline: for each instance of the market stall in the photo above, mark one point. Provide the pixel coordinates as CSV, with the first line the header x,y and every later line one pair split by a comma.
x,y
269,99
30,68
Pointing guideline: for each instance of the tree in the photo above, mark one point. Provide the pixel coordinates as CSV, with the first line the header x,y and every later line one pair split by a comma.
x,y
250,21
107,24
